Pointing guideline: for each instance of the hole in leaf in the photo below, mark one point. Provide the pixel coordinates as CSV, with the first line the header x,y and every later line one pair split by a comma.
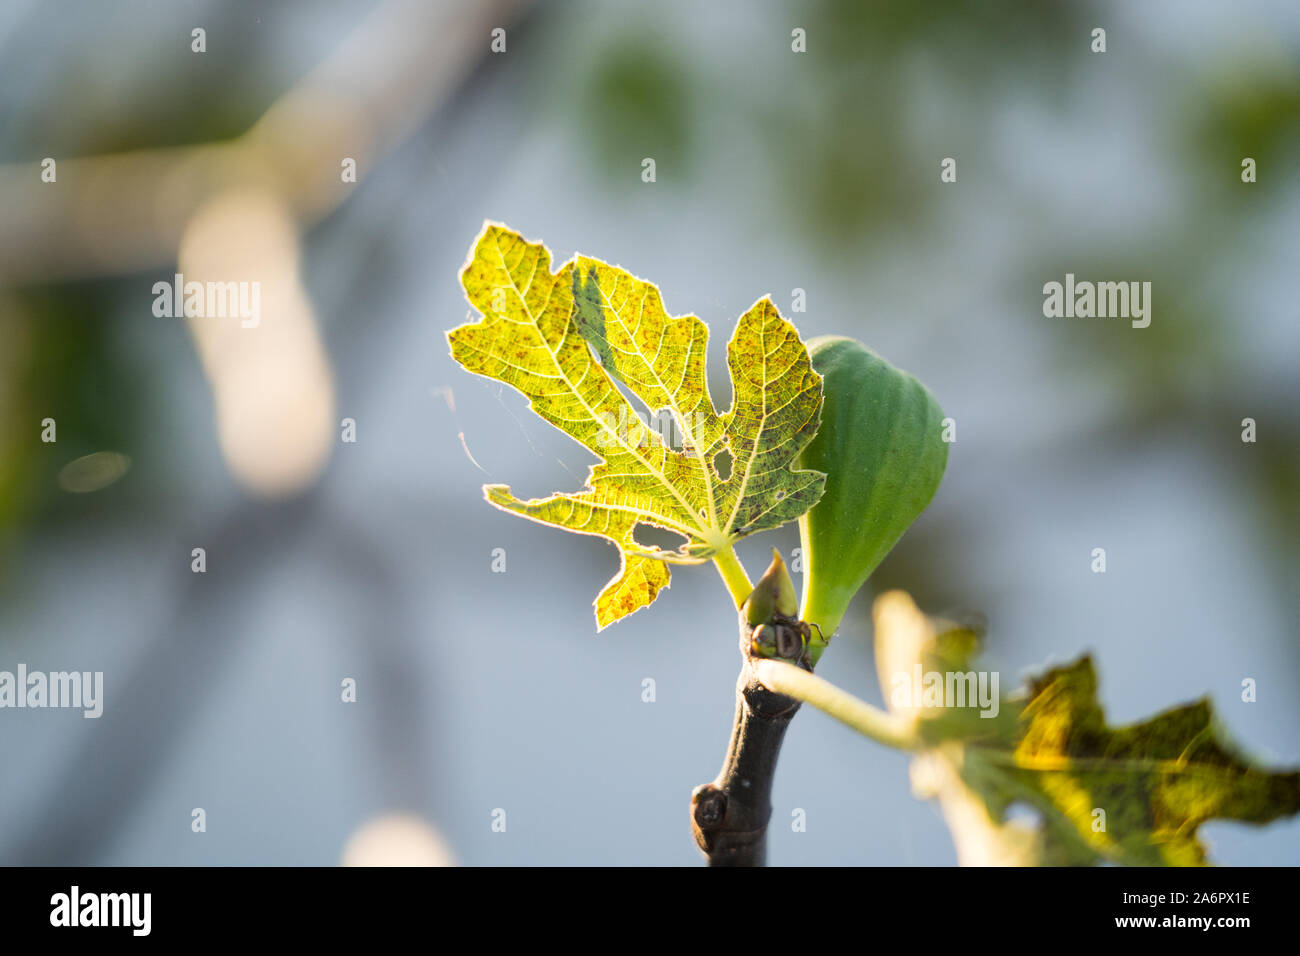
x,y
722,464
649,536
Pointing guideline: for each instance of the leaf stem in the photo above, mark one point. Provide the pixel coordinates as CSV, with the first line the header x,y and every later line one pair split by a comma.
x,y
733,575
882,727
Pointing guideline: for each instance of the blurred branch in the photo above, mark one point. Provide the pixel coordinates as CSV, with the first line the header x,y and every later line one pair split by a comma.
x,y
126,212
189,662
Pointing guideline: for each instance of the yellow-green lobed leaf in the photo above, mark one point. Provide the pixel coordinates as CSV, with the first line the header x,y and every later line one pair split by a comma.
x,y
1156,781
564,338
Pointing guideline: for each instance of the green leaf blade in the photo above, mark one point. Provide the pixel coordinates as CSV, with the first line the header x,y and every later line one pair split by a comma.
x,y
1157,780
1134,795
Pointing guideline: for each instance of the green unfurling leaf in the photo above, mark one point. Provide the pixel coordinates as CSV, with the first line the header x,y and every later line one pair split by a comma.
x,y
565,338
773,595
1133,795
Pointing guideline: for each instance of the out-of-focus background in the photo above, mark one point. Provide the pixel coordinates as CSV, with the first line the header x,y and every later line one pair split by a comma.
x,y
480,691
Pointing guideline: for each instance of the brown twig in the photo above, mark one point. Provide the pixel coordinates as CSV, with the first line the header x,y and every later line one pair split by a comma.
x,y
729,816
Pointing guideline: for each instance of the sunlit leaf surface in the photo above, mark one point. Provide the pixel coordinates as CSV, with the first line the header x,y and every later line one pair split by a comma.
x,y
569,339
